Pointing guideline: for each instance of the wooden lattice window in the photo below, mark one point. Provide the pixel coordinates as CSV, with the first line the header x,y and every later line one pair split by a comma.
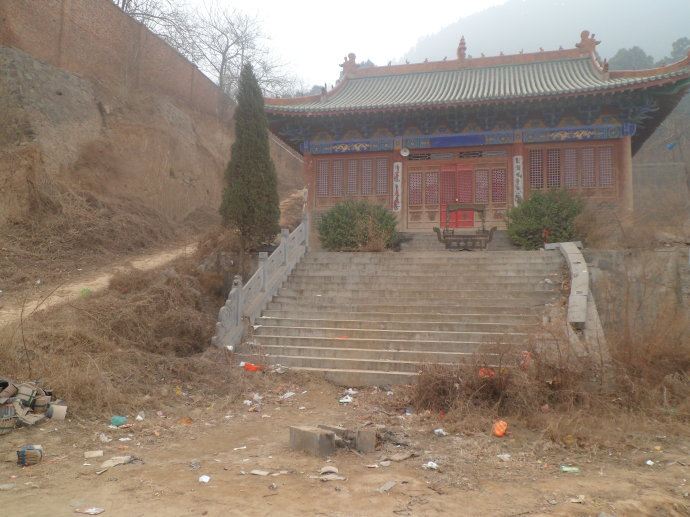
x,y
381,176
352,177
481,188
322,178
570,168
414,190
553,168
498,185
367,177
465,187
536,169
589,174
605,166
431,188
337,184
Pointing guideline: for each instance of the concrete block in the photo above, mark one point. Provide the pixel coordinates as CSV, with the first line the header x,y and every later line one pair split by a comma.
x,y
366,440
312,440
341,432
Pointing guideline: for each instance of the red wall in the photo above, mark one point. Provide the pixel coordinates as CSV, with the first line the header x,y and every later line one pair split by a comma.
x,y
96,40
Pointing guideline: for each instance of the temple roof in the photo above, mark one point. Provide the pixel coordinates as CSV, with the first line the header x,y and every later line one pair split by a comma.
x,y
471,81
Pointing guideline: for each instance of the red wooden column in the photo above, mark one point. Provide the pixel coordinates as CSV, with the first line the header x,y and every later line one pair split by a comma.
x,y
626,171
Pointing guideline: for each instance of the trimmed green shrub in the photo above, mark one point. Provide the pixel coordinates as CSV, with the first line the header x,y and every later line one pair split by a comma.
x,y
358,226
544,217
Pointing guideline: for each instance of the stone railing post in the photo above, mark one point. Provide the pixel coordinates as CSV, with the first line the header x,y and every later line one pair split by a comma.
x,y
284,238
239,298
263,257
307,229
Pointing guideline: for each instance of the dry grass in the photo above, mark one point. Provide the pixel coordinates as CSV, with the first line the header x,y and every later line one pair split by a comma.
x,y
142,337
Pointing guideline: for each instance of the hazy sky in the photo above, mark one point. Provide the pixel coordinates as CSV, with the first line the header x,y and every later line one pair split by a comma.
x,y
312,37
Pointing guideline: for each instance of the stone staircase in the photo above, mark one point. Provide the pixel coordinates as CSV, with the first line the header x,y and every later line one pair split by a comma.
x,y
376,318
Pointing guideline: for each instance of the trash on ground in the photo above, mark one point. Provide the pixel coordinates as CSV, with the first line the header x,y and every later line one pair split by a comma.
x,y
386,487
118,420
301,408
27,404
486,373
430,465
195,465
185,420
29,455
258,472
440,432
372,466
114,462
500,428
346,399
273,486
350,391
90,510
649,462
240,448
204,479
140,416
287,395
504,456
569,470
93,454
331,477
580,499
104,438
385,463
251,367
328,469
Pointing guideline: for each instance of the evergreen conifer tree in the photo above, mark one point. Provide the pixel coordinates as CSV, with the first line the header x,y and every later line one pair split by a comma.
x,y
250,198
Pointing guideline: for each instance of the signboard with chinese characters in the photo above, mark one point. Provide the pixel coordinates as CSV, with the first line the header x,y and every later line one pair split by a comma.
x,y
518,180
397,186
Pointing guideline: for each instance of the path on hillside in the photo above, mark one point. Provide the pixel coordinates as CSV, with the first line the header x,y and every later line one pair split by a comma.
x,y
94,282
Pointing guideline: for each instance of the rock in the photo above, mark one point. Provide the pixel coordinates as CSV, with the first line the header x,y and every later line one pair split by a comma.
x,y
260,472
387,486
328,469
7,486
385,463
93,454
312,440
365,440
503,457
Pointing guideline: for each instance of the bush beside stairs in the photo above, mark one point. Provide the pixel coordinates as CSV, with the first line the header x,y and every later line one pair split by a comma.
x,y
377,318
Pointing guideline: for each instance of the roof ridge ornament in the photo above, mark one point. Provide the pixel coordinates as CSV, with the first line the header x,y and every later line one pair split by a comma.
x,y
349,65
462,49
587,43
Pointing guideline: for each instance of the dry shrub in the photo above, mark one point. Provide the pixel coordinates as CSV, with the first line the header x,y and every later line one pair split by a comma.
x,y
292,210
106,352
67,229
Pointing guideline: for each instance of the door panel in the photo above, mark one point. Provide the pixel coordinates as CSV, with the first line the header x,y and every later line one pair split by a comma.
x,y
457,186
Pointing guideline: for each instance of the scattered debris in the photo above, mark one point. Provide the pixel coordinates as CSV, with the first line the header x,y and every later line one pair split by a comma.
x,y
430,465
90,510
440,432
273,486
649,462
328,469
387,486
118,420
331,477
29,455
104,438
372,466
185,420
350,391
93,454
204,479
195,465
27,404
301,408
251,367
346,399
114,462
140,416
385,463
287,395
504,456
500,428
580,499
570,470
260,472
240,448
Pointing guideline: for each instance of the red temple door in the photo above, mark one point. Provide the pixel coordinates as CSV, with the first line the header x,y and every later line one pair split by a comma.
x,y
457,186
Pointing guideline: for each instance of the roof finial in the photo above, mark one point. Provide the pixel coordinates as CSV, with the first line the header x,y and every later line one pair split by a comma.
x,y
462,49
605,66
587,43
350,64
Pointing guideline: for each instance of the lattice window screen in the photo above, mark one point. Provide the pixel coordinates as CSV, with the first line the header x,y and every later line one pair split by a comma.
x,y
498,185
465,187
589,176
414,195
553,168
431,186
382,176
570,168
322,178
337,185
448,186
367,177
352,177
481,186
536,169
605,166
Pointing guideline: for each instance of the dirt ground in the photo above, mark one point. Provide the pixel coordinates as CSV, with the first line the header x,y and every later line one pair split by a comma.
x,y
226,441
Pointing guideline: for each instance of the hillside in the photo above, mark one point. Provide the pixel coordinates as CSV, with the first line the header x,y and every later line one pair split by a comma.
x,y
530,24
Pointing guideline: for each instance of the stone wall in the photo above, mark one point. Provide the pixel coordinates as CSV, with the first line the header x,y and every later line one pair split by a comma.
x,y
96,40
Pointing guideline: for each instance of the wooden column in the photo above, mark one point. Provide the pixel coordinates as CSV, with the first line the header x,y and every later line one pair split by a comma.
x,y
626,171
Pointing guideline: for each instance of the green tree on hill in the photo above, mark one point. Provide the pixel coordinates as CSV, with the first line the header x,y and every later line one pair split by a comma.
x,y
250,199
631,59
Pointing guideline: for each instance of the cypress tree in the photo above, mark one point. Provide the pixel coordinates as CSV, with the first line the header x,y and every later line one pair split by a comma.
x,y
250,198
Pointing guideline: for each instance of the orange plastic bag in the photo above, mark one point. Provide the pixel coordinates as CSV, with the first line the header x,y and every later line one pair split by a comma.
x,y
486,373
251,367
500,428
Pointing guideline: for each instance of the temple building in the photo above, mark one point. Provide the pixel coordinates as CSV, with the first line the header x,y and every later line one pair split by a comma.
x,y
481,130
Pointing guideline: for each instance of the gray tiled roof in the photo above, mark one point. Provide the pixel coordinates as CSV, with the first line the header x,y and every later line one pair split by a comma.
x,y
470,85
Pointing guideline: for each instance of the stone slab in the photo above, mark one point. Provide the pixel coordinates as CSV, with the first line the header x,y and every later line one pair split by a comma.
x,y
312,440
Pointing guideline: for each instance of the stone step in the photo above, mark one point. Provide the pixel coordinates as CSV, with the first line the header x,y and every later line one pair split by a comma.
x,y
469,317
444,326
413,356
494,255
435,306
419,276
383,295
423,335
470,347
452,259
541,283
429,269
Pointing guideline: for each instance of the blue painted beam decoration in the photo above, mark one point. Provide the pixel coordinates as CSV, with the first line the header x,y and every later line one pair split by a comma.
x,y
528,136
